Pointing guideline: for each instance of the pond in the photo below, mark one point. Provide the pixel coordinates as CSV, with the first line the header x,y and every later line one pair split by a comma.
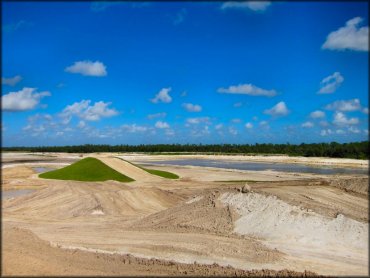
x,y
261,166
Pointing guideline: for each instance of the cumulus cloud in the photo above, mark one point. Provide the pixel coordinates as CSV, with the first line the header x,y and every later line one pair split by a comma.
x,y
280,109
88,68
11,81
247,89
249,125
88,112
219,126
325,132
307,124
365,110
349,37
157,115
341,119
264,124
353,129
257,6
192,107
162,96
161,125
134,128
198,120
331,83
25,99
238,104
317,114
233,131
236,120
345,105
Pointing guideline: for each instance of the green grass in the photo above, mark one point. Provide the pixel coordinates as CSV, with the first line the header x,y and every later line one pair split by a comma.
x,y
163,174
87,169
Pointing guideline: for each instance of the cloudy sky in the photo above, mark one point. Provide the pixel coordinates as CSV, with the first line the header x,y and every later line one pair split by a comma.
x,y
183,72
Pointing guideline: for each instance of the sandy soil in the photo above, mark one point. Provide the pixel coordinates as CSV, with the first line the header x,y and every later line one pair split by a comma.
x,y
295,222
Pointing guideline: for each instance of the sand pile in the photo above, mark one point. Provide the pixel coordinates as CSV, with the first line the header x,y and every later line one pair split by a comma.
x,y
273,219
358,185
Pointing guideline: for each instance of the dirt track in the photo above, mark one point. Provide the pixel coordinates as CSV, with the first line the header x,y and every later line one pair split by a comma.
x,y
185,220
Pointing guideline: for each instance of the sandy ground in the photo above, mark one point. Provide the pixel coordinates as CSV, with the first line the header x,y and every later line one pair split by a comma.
x,y
295,222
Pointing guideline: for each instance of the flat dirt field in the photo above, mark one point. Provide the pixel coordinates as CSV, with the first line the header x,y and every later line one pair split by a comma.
x,y
204,223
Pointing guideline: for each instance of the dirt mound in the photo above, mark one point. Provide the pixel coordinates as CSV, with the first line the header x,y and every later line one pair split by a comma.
x,y
201,213
74,199
269,217
358,185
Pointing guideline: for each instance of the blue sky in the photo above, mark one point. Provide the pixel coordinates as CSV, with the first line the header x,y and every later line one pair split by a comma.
x,y
184,72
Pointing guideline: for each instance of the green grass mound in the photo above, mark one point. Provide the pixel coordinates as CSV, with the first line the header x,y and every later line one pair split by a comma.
x,y
162,174
87,169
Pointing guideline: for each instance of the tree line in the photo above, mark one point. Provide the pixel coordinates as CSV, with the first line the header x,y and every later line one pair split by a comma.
x,y
359,150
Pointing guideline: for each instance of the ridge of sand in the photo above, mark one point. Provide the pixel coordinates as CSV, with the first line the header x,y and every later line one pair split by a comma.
x,y
128,169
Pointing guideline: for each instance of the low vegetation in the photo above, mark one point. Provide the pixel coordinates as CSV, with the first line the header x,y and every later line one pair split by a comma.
x,y
359,150
163,174
87,169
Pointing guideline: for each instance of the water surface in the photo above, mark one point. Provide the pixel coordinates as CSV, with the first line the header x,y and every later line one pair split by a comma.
x,y
261,166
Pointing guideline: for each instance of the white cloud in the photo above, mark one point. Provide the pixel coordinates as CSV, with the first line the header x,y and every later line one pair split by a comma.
x,y
236,121
345,105
237,104
247,89
323,123
200,132
349,37
257,6
81,124
25,99
248,125
317,114
341,119
365,110
88,112
160,124
331,83
198,120
88,68
11,81
307,124
264,124
340,131
353,129
134,128
233,131
162,96
325,132
192,107
280,109
219,126
157,115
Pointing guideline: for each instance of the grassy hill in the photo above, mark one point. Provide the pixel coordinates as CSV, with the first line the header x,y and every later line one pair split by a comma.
x,y
87,169
163,174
